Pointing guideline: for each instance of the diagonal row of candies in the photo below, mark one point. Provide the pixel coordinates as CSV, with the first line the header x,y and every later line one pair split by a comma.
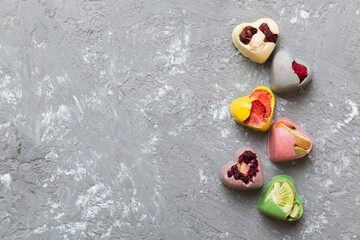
x,y
286,141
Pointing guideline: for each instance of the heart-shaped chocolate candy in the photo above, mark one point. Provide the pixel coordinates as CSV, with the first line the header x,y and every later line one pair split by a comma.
x,y
256,40
256,110
288,73
280,199
287,142
244,171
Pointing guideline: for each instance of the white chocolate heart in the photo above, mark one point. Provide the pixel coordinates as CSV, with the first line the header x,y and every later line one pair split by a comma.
x,y
257,49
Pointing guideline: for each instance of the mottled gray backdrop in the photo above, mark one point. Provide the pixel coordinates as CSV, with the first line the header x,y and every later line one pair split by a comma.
x,y
114,119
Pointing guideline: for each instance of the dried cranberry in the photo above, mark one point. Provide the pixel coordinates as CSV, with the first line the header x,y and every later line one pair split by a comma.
x,y
270,37
251,171
300,70
246,34
244,179
249,158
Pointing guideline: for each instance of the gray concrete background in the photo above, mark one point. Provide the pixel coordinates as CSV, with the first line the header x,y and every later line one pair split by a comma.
x,y
114,119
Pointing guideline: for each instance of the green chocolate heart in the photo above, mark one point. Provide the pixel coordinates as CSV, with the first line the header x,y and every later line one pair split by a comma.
x,y
270,208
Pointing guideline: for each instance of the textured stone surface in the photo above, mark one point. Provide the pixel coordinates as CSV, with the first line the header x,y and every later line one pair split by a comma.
x,y
114,119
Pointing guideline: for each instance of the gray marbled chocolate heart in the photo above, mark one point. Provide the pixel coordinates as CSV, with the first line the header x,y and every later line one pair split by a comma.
x,y
288,73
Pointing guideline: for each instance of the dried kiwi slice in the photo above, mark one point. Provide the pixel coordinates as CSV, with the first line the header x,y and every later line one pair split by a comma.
x,y
295,211
283,195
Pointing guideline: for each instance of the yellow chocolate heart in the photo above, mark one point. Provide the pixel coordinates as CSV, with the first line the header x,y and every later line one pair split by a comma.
x,y
255,110
240,108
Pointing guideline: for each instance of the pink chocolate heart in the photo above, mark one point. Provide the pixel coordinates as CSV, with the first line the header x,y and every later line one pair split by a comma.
x,y
281,141
255,181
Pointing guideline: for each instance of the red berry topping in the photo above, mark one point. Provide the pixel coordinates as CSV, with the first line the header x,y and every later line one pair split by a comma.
x,y
246,34
270,37
300,70
250,159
